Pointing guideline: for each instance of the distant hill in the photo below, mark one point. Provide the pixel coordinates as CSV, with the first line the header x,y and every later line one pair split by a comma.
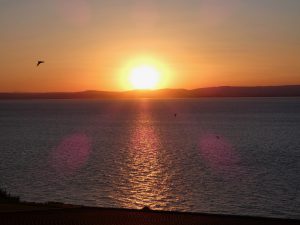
x,y
260,91
224,91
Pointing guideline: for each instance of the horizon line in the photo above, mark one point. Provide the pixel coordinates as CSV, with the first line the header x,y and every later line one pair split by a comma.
x,y
149,90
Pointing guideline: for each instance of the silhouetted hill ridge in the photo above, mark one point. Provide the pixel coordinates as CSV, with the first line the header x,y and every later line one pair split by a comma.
x,y
222,91
257,91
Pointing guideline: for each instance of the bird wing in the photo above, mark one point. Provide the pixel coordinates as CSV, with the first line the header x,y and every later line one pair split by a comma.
x,y
39,62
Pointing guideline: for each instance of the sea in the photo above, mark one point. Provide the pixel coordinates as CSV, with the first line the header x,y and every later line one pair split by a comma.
x,y
237,156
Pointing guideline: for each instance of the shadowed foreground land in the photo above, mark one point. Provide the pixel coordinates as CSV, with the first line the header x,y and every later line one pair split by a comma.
x,y
54,213
13,211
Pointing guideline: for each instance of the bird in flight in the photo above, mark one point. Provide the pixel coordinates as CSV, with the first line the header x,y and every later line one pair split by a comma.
x,y
40,62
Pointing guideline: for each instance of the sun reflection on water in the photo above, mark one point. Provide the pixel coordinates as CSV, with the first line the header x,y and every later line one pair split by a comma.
x,y
147,184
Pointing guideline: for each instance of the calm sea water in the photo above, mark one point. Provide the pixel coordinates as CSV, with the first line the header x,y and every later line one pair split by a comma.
x,y
232,156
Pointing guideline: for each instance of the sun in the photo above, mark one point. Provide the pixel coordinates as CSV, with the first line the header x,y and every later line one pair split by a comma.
x,y
144,72
144,77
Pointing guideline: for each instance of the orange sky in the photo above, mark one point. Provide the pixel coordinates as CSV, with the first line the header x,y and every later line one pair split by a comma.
x,y
91,45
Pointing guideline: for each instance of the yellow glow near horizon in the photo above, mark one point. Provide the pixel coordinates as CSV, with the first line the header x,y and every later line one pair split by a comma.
x,y
145,73
144,77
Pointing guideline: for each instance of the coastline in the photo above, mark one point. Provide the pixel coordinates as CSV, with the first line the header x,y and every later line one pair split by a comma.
x,y
223,91
59,213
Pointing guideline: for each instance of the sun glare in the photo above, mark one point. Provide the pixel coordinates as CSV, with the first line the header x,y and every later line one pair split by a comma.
x,y
144,77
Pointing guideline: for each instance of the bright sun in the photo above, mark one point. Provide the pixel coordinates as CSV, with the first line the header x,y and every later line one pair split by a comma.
x,y
144,77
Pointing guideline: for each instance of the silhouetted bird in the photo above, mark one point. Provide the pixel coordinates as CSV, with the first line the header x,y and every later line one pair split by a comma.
x,y
175,114
39,62
218,137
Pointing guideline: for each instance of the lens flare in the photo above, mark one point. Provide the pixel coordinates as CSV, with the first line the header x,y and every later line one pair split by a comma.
x,y
71,154
218,153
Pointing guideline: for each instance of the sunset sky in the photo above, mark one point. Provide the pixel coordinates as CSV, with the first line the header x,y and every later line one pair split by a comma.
x,y
95,45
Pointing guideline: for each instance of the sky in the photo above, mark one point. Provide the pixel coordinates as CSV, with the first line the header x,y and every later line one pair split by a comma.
x,y
93,44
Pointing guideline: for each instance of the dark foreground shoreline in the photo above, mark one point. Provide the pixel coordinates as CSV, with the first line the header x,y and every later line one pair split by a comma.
x,y
56,213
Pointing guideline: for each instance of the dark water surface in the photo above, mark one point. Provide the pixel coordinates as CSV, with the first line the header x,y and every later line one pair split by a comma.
x,y
234,156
